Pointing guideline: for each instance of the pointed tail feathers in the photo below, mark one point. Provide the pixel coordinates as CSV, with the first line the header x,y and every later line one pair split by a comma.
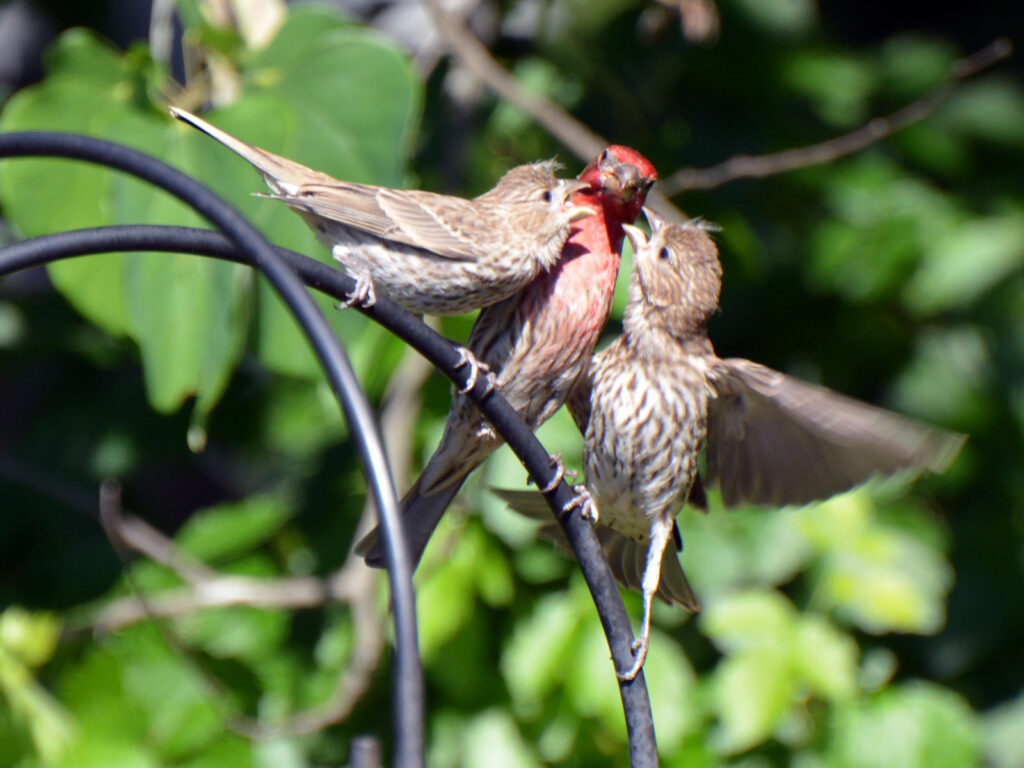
x,y
420,516
625,556
282,175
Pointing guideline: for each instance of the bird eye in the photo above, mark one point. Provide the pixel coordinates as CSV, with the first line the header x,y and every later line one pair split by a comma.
x,y
546,195
664,255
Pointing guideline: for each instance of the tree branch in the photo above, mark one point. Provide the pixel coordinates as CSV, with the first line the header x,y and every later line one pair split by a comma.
x,y
354,583
760,166
552,117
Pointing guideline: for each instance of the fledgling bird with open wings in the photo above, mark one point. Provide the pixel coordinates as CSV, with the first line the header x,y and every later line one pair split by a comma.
x,y
432,253
658,394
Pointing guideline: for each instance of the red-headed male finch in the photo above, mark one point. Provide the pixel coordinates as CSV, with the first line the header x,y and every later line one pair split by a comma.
x,y
658,393
536,344
431,253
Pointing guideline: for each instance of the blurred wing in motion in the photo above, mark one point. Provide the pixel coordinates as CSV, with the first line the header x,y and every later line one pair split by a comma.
x,y
775,440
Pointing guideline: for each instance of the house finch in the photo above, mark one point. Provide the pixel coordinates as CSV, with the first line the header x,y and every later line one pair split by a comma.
x,y
536,344
432,253
653,398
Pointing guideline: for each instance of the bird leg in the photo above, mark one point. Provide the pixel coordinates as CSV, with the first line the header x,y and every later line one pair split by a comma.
x,y
585,503
362,295
661,530
475,367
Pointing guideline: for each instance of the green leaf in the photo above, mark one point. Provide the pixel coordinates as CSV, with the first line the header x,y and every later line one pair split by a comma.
x,y
339,98
876,576
961,357
230,751
248,634
753,619
180,714
672,682
30,637
534,660
826,658
1002,728
588,671
723,553
444,604
492,739
234,528
751,695
972,259
840,85
91,752
990,108
917,725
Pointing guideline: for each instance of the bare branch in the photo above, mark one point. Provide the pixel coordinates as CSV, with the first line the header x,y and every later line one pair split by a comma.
x,y
578,137
355,578
219,592
355,583
760,166
134,533
477,59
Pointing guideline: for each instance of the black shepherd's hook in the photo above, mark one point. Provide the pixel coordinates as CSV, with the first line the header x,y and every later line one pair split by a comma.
x,y
438,350
408,685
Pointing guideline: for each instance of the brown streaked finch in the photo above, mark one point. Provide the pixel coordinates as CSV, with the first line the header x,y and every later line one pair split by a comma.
x,y
536,344
658,393
433,254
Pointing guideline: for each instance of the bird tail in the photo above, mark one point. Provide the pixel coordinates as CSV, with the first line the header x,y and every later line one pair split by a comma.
x,y
282,175
420,515
626,557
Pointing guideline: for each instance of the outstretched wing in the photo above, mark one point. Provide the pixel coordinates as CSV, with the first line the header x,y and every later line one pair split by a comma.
x,y
775,440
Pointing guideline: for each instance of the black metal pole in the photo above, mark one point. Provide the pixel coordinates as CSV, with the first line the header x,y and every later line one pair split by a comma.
x,y
408,683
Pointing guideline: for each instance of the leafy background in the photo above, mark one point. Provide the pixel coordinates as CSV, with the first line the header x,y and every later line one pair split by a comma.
x,y
880,628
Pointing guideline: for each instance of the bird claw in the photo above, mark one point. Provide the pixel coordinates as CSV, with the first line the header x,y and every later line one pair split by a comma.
x,y
639,648
560,472
475,367
585,503
363,295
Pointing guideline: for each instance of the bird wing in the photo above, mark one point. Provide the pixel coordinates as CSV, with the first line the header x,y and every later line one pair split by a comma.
x,y
775,440
448,226
435,223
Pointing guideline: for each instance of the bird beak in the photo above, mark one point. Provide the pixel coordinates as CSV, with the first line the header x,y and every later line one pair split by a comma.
x,y
654,220
572,186
577,212
629,180
636,237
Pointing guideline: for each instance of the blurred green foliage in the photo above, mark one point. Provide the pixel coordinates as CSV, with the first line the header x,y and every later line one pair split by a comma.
x,y
880,628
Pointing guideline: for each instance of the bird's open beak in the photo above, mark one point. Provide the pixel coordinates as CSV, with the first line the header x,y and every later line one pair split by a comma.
x,y
653,219
577,212
636,237
571,187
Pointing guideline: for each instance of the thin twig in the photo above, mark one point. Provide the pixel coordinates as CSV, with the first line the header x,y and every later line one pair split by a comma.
x,y
760,166
355,579
575,135
477,59
354,583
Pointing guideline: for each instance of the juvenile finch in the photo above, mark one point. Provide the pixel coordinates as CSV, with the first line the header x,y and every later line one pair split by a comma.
x,y
431,253
536,344
658,393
